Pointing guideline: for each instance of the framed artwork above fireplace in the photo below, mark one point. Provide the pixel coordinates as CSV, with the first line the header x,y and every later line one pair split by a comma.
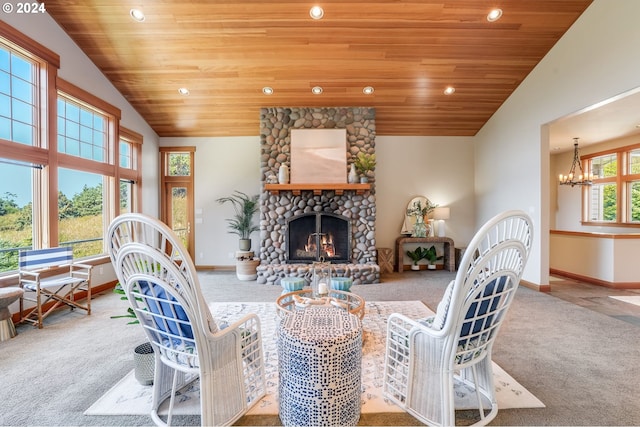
x,y
318,156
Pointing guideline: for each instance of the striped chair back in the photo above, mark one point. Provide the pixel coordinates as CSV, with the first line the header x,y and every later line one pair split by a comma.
x,y
42,258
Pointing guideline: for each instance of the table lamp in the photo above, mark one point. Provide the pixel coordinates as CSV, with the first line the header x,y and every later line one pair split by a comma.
x,y
439,215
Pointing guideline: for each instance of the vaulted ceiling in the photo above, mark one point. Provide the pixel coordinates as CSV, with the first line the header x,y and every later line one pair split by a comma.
x,y
226,52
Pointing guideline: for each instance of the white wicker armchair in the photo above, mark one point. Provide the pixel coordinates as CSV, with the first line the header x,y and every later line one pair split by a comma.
x,y
162,287
425,357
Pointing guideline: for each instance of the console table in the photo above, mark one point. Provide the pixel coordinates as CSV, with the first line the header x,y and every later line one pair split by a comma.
x,y
449,250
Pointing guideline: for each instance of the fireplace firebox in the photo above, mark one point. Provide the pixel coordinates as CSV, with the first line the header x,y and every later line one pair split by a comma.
x,y
315,236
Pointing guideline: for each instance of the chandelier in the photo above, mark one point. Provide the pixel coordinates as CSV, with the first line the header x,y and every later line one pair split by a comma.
x,y
576,173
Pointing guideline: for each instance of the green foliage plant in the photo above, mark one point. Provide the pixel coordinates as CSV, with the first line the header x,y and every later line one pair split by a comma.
x,y
419,211
130,313
245,208
365,162
417,254
432,256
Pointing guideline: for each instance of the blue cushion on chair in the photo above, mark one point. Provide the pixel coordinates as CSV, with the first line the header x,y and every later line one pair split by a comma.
x,y
164,308
486,305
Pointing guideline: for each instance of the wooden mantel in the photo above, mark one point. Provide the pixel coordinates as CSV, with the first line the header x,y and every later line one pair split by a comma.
x,y
317,189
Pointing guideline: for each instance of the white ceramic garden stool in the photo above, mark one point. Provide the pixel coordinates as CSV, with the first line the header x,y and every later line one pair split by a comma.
x,y
319,358
290,284
8,296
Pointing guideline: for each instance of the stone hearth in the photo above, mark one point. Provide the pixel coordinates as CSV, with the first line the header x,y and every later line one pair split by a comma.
x,y
276,208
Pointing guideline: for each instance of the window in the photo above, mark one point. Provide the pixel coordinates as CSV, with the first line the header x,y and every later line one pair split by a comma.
x,y
81,131
18,101
16,211
81,211
614,197
84,181
62,186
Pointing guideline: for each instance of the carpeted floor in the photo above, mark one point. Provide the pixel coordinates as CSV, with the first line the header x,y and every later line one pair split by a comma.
x,y
580,363
128,397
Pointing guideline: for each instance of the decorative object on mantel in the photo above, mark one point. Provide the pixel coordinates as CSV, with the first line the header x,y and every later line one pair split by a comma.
x,y
283,174
417,212
365,163
572,179
439,215
353,175
245,208
271,179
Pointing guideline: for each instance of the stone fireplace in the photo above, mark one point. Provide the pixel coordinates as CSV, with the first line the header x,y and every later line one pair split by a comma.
x,y
318,236
280,254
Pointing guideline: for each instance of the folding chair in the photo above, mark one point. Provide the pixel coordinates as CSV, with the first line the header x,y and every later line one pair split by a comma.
x,y
38,276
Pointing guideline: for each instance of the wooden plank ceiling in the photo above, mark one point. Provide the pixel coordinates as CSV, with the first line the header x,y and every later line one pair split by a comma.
x,y
225,52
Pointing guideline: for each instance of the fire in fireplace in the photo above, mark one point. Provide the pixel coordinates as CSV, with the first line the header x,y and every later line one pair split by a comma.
x,y
314,236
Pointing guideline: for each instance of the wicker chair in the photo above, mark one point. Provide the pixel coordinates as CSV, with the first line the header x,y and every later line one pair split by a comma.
x,y
424,358
160,282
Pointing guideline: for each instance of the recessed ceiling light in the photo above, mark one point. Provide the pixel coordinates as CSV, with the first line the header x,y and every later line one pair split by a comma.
x,y
449,90
183,91
316,12
137,15
494,15
267,90
316,90
368,90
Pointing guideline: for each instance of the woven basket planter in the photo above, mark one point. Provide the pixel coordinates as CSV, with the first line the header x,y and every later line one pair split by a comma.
x,y
144,361
246,269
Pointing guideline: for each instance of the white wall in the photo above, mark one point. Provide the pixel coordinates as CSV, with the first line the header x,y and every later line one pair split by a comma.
x,y
595,60
222,165
76,68
437,167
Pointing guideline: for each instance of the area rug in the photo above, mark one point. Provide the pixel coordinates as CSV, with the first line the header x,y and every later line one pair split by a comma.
x,y
128,397
631,299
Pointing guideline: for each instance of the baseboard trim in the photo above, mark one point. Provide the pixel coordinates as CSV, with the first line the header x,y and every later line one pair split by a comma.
x,y
594,281
215,267
535,286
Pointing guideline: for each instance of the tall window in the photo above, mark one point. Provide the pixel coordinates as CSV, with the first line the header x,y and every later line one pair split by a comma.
x,y
16,211
129,170
614,197
81,211
84,143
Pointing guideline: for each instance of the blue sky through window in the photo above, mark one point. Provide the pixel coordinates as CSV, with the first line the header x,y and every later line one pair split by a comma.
x,y
17,180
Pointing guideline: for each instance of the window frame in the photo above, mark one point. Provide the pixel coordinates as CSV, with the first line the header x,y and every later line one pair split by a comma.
x,y
621,180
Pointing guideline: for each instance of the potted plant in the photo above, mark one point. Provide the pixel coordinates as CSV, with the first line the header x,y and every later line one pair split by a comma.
x,y
416,255
432,256
364,163
241,223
